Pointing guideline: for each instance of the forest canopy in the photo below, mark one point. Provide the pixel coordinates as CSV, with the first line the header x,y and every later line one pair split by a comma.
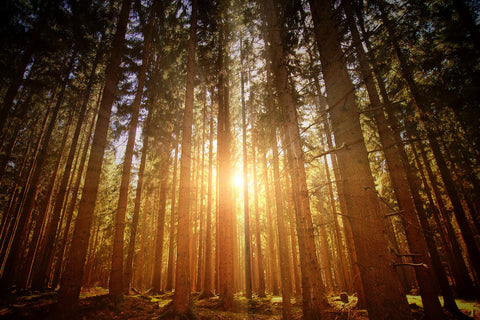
x,y
229,155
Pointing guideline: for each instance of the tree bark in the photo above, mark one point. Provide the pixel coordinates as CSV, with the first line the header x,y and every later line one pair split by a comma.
x,y
402,175
248,262
422,106
61,245
258,225
38,281
208,275
314,301
181,299
384,295
116,274
28,203
157,267
136,213
171,240
72,278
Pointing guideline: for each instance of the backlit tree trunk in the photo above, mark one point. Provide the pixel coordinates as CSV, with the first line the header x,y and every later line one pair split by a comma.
x,y
208,275
136,213
116,274
258,227
157,267
38,281
248,262
171,234
181,299
225,199
314,301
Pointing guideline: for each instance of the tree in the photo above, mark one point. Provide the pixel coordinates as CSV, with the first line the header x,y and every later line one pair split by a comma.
x,y
181,300
116,276
397,168
314,301
384,295
72,277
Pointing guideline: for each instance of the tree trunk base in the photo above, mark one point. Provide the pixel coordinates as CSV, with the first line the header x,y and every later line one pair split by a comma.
x,y
171,314
205,295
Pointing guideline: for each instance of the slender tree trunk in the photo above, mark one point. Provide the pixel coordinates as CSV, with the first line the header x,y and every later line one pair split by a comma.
x,y
41,219
116,274
401,177
281,229
136,213
225,206
38,281
248,262
272,252
181,299
61,245
325,262
72,278
21,232
201,214
157,268
384,295
194,216
341,260
423,107
171,240
293,237
208,275
258,227
314,301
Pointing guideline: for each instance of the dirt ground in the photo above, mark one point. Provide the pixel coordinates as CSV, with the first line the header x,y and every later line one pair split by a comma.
x,y
95,304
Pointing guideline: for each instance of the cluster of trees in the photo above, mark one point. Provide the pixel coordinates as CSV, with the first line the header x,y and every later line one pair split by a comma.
x,y
354,127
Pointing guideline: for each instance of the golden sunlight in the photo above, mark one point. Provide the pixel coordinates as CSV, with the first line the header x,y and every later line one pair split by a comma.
x,y
237,179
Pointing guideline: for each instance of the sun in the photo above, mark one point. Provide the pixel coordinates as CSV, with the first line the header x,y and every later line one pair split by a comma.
x,y
237,180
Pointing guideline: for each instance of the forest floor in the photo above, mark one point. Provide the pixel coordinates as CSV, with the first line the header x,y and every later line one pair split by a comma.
x,y
95,304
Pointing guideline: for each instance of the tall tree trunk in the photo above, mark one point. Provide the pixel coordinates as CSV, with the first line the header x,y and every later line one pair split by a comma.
x,y
61,245
21,232
127,277
384,295
314,301
171,234
201,213
38,281
401,175
248,262
273,268
225,206
116,274
181,299
423,108
293,237
258,226
341,260
281,229
208,275
157,267
41,220
72,278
